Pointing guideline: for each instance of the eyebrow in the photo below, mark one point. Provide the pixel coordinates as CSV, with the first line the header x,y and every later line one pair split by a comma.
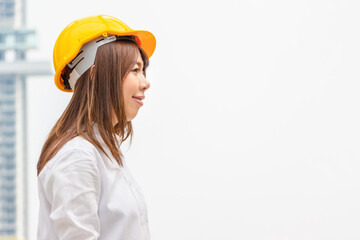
x,y
140,64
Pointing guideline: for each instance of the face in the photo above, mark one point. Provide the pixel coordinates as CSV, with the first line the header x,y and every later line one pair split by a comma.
x,y
134,87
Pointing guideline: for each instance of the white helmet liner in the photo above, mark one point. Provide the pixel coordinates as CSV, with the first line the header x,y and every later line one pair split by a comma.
x,y
86,57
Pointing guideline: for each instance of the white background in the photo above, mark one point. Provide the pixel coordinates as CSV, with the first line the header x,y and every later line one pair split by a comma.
x,y
250,129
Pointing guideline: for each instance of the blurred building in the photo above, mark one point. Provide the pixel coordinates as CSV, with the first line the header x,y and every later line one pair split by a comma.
x,y
15,41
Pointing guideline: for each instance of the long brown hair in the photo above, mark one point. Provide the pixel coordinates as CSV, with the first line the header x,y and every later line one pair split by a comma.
x,y
97,94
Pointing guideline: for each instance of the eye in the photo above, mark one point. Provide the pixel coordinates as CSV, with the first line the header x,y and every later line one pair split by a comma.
x,y
136,70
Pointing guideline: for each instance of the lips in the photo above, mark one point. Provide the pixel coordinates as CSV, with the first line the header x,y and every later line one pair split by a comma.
x,y
139,99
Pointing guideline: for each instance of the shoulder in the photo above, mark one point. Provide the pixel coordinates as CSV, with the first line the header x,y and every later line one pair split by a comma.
x,y
77,147
76,155
78,143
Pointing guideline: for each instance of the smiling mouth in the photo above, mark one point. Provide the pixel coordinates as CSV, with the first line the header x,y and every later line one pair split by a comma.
x,y
139,100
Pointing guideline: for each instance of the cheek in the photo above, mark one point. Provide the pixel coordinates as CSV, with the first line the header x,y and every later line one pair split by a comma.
x,y
130,85
130,89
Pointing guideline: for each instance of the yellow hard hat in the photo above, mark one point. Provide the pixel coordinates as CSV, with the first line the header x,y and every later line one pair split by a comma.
x,y
81,31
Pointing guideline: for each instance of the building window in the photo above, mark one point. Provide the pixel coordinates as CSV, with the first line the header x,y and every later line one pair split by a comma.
x,y
10,232
7,9
2,55
20,55
20,38
2,38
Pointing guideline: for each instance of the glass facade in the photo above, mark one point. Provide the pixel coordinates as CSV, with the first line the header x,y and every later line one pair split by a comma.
x,y
19,39
15,41
7,13
7,157
7,9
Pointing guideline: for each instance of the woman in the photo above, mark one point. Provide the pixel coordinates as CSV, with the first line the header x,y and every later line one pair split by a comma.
x,y
85,188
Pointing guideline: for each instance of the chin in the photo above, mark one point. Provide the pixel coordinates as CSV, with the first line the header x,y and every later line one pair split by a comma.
x,y
131,116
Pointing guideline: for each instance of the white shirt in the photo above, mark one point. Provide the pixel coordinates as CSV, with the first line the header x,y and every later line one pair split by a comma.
x,y
85,195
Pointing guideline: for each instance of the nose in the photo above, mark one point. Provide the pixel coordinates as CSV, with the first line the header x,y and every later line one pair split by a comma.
x,y
144,83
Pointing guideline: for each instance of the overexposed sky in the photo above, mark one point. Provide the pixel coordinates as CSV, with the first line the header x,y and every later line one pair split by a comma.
x,y
250,129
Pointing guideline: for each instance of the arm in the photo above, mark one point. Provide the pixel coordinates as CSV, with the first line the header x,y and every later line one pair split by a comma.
x,y
73,190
